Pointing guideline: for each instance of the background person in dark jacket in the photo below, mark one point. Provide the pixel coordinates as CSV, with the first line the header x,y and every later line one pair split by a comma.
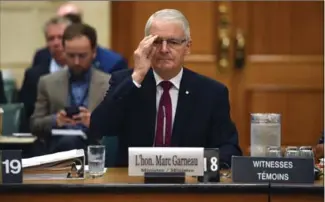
x,y
106,60
3,98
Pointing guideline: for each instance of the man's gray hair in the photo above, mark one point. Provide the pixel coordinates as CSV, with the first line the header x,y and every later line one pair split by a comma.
x,y
169,15
56,21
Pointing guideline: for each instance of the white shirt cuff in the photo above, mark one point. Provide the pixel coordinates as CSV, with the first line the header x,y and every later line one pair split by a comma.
x,y
136,84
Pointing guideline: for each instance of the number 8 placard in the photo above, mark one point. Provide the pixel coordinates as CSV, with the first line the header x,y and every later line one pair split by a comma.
x,y
11,167
211,165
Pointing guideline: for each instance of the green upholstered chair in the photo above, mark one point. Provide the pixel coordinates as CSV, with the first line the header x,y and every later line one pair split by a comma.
x,y
10,89
12,118
111,145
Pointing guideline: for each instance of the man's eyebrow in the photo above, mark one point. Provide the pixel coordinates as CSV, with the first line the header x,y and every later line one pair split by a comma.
x,y
171,38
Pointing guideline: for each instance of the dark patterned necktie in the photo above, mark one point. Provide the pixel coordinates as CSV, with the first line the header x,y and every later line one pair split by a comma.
x,y
164,117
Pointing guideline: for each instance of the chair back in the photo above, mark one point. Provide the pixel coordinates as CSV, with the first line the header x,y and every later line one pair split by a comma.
x,y
10,89
12,118
111,145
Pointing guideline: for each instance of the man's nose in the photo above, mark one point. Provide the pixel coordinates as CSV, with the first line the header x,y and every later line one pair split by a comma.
x,y
76,60
164,47
57,42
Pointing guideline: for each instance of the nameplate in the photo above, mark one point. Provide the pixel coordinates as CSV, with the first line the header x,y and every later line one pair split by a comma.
x,y
272,169
166,160
11,167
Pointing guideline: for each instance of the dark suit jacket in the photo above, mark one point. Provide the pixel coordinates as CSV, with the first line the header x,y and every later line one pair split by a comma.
x,y
106,60
202,116
3,98
28,91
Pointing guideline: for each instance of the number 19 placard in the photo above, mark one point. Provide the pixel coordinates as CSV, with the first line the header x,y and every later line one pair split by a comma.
x,y
11,167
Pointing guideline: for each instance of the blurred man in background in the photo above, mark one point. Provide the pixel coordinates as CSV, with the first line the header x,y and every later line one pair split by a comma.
x,y
68,8
3,98
53,32
106,60
66,98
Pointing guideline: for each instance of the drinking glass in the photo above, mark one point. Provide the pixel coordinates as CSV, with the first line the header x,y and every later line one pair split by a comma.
x,y
306,152
273,151
265,131
292,152
96,160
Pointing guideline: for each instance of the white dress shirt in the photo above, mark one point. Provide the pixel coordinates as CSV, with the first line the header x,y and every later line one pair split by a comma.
x,y
54,66
173,92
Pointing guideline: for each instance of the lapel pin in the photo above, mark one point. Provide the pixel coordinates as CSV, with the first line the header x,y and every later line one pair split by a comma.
x,y
186,92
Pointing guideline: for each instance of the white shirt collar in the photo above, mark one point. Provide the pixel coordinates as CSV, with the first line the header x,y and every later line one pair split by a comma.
x,y
54,66
176,81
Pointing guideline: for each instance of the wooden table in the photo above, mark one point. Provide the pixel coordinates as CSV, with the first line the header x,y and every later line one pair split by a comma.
x,y
297,193
116,185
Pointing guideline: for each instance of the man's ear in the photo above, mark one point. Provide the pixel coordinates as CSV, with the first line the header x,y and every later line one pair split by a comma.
x,y
188,47
94,53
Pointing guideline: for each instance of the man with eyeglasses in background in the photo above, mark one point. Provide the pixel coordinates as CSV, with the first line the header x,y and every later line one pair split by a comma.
x,y
161,103
53,32
106,60
66,98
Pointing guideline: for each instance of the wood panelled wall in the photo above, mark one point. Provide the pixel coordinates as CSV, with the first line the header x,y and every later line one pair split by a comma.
x,y
283,71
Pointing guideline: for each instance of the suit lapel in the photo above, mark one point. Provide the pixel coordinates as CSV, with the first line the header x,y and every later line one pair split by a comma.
x,y
96,87
62,88
149,96
185,98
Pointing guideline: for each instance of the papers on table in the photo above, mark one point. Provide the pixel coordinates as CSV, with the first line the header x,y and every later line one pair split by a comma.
x,y
22,134
87,168
17,140
68,132
45,176
61,165
51,158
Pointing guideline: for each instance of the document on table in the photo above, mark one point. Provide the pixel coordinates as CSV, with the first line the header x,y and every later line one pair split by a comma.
x,y
22,134
52,158
87,168
68,132
17,140
61,165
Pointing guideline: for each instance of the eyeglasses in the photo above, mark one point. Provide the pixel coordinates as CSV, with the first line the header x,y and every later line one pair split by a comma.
x,y
77,55
173,43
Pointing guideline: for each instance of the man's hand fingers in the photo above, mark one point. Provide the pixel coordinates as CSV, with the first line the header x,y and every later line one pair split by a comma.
x,y
151,53
83,109
62,113
147,43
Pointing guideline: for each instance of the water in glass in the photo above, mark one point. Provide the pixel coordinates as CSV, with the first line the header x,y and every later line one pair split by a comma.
x,y
96,160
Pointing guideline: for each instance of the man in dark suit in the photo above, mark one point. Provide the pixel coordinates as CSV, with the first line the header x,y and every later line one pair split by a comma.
x,y
66,98
161,103
106,60
54,30
3,98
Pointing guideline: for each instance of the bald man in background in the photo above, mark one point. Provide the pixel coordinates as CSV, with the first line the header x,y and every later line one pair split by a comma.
x,y
106,60
68,8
